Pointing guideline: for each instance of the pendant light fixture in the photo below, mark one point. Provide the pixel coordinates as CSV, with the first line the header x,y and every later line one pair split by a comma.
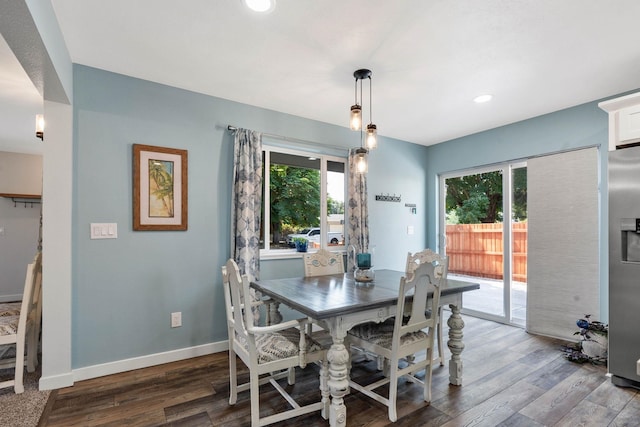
x,y
370,141
40,126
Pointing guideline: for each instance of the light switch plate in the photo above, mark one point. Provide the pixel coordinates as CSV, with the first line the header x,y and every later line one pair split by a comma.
x,y
104,230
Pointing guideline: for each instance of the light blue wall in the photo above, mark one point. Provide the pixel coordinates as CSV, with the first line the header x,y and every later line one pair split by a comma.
x,y
581,126
125,289
397,170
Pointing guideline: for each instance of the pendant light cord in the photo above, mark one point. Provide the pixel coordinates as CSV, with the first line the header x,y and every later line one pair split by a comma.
x,y
370,97
361,124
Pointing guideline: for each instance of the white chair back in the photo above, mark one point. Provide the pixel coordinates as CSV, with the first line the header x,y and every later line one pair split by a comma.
x,y
323,262
422,278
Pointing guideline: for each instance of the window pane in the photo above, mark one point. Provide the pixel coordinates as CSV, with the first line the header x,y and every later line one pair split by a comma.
x,y
474,237
519,246
335,204
294,190
295,205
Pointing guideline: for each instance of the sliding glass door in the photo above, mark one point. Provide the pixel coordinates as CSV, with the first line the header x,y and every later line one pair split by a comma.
x,y
482,246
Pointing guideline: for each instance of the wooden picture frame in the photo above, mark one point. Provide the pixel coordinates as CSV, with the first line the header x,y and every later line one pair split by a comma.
x,y
159,188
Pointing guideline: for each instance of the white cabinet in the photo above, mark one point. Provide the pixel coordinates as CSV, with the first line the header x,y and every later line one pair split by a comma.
x,y
624,120
630,124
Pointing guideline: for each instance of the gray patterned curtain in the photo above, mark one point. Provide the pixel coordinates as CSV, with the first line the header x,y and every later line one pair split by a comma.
x,y
358,211
246,202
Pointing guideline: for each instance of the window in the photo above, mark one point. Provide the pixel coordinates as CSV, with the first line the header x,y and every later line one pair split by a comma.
x,y
303,196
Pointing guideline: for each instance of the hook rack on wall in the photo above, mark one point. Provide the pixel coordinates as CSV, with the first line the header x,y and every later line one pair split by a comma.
x,y
388,198
26,202
26,199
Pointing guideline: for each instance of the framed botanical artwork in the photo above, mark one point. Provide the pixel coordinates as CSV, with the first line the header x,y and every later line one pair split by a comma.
x,y
159,188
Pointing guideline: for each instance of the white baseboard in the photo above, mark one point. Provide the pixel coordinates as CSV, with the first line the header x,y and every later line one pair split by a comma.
x,y
10,298
110,368
53,382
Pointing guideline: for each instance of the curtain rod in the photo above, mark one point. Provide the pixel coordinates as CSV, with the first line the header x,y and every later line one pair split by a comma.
x,y
233,129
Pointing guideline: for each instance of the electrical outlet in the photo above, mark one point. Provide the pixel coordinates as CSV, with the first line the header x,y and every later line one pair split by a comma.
x,y
176,319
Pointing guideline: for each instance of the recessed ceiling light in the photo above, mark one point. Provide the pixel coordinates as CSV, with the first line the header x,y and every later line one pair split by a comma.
x,y
262,6
482,98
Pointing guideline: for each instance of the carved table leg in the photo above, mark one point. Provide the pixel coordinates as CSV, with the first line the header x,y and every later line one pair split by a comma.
x,y
324,389
338,357
455,344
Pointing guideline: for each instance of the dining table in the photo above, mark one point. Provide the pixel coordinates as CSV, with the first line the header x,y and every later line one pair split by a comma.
x,y
338,302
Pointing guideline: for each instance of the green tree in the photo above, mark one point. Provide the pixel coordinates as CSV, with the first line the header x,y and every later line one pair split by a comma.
x,y
295,198
520,194
477,198
334,206
473,209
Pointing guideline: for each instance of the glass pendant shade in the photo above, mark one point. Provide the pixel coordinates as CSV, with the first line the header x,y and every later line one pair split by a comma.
x,y
372,137
356,117
361,161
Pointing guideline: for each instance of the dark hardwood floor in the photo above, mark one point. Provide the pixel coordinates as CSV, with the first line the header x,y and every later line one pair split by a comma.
x,y
511,378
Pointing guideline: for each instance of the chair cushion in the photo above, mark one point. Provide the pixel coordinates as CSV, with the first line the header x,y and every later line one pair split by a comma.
x,y
10,309
280,345
9,325
370,330
382,333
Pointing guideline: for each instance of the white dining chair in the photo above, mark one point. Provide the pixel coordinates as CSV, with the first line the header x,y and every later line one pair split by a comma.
x,y
20,330
268,351
410,335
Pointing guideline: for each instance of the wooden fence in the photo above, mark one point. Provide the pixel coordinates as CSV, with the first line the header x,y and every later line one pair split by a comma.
x,y
476,250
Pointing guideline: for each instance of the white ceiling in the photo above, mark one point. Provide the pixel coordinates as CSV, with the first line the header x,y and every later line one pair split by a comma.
x,y
429,58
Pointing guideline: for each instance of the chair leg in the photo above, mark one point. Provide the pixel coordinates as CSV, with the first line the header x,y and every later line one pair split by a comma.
x,y
439,332
18,386
291,378
255,398
428,375
233,378
393,390
32,350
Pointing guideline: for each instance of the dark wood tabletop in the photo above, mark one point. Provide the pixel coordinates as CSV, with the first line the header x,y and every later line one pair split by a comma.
x,y
322,297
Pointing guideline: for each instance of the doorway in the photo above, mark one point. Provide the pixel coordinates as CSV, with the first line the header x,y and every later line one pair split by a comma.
x,y
483,229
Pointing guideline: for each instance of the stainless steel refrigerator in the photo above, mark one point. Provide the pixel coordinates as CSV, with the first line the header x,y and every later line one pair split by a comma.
x,y
624,266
